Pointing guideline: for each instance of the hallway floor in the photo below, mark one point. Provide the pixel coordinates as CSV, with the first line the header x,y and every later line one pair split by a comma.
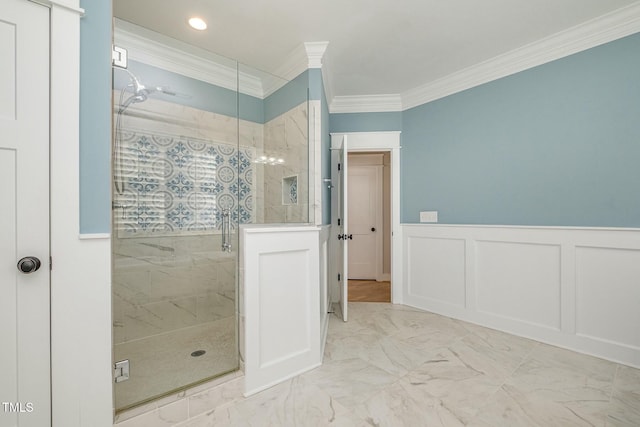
x,y
369,291
398,366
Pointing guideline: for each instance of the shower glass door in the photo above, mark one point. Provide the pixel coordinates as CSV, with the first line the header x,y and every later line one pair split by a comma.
x,y
202,145
181,187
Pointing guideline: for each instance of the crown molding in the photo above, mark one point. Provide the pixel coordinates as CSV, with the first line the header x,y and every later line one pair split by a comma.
x,y
315,52
271,84
606,28
326,78
173,55
304,56
366,104
294,64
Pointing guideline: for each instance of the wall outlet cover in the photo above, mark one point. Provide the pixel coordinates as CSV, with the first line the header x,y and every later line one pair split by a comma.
x,y
429,216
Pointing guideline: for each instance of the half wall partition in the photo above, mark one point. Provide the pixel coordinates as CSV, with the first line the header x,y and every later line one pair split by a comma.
x,y
202,144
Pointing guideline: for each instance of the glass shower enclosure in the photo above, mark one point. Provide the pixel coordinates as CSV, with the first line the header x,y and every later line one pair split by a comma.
x,y
198,150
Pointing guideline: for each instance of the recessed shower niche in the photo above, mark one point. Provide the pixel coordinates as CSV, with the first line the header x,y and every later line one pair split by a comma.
x,y
290,190
187,172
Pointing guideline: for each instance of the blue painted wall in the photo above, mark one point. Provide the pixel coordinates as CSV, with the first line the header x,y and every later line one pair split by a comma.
x,y
366,122
288,96
95,116
556,145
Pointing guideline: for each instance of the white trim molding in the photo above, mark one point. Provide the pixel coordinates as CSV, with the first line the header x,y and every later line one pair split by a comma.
x,y
294,64
612,26
315,162
172,55
315,52
81,273
604,29
368,141
70,5
575,288
304,56
380,141
94,236
366,104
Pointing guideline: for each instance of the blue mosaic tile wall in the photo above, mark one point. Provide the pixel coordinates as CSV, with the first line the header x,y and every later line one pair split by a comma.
x,y
177,185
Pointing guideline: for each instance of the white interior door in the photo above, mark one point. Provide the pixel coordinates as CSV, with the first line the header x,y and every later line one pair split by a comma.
x,y
343,229
24,215
365,221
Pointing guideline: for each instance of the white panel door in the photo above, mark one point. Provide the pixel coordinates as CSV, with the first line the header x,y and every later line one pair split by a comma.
x,y
24,215
343,245
365,217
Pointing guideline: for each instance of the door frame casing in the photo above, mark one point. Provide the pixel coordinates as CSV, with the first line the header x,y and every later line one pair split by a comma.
x,y
381,142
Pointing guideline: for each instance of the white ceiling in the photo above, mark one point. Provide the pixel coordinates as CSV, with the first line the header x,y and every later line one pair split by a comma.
x,y
375,47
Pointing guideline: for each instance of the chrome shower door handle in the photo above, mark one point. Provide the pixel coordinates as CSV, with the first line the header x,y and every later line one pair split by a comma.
x,y
226,230
229,232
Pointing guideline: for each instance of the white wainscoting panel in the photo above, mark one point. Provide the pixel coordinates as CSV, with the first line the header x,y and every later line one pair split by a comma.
x,y
325,297
608,294
442,260
281,291
519,281
577,288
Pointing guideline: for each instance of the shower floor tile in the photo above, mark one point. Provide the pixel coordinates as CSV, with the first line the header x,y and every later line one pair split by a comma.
x,y
163,363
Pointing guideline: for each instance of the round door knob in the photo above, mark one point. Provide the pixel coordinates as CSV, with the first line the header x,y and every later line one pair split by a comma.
x,y
373,229
29,264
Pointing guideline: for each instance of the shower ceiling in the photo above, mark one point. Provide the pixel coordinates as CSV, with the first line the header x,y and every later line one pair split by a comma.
x,y
375,47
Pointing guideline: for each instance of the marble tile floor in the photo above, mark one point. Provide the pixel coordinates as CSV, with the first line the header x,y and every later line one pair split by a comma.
x,y
161,363
393,365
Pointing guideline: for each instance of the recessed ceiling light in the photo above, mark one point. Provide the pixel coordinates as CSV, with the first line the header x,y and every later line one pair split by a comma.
x,y
197,23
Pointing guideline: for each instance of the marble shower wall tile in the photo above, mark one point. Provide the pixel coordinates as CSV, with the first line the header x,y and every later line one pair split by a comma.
x,y
157,290
162,279
286,137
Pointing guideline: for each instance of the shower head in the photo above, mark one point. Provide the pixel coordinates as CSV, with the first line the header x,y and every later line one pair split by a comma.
x,y
138,88
141,92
